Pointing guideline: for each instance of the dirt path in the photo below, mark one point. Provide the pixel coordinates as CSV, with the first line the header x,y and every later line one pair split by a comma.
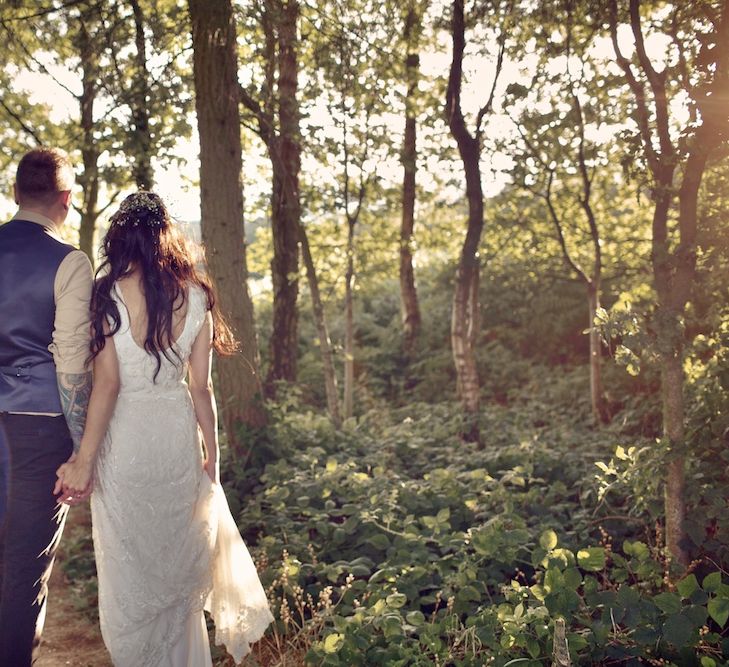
x,y
70,637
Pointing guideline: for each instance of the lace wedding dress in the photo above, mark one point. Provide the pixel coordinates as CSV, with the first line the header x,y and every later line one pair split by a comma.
x,y
165,542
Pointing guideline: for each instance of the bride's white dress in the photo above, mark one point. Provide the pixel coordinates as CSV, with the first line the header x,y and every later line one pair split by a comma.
x,y
165,542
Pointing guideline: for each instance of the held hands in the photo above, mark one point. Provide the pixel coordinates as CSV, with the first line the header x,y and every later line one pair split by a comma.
x,y
75,480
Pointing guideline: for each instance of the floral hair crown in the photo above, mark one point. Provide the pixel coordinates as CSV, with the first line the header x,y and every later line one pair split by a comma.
x,y
140,205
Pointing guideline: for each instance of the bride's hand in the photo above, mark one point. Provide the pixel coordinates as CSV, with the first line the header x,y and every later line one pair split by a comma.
x,y
211,468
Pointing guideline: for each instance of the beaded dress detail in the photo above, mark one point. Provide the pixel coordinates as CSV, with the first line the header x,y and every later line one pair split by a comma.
x,y
166,544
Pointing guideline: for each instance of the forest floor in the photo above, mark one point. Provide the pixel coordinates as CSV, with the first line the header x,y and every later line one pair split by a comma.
x,y
70,637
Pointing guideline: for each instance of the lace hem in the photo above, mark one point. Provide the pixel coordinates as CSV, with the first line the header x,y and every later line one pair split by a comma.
x,y
237,601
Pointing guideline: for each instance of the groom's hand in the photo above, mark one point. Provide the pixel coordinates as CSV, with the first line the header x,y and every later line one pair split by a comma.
x,y
69,496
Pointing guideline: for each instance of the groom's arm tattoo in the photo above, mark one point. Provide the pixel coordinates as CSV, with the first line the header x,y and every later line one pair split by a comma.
x,y
75,390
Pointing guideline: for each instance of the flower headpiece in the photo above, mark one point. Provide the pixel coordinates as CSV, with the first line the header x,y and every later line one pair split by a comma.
x,y
142,206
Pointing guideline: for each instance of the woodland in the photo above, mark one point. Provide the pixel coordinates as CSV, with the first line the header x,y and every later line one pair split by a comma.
x,y
476,253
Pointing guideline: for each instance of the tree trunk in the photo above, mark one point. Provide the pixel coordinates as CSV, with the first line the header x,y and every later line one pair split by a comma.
x,y
464,315
216,102
325,347
669,338
673,297
89,180
408,295
285,153
596,391
674,270
349,326
673,430
560,647
141,134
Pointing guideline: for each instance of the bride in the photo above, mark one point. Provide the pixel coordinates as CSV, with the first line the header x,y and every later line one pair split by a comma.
x,y
165,542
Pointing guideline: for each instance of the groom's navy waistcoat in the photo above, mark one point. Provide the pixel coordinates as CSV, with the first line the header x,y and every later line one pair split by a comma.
x,y
29,260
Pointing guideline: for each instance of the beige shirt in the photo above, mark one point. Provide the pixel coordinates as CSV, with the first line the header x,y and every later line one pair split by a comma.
x,y
72,293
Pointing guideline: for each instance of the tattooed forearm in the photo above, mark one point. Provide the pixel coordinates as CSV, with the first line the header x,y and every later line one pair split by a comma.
x,y
75,390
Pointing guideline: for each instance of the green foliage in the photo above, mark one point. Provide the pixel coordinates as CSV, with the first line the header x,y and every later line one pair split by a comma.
x,y
413,547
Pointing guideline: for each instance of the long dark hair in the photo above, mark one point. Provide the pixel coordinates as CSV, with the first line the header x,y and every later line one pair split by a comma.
x,y
141,238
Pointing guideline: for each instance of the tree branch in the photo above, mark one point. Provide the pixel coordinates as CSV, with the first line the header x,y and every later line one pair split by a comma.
x,y
657,83
265,128
638,91
49,10
587,188
547,195
26,128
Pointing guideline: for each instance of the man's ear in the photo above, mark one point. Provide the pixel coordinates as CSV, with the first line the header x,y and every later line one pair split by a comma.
x,y
15,193
66,199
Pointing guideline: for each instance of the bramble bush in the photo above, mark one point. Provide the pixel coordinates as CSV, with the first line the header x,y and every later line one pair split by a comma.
x,y
392,542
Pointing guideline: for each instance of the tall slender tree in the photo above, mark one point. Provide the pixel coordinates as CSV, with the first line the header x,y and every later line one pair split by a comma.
x,y
556,161
216,101
465,313
675,168
408,294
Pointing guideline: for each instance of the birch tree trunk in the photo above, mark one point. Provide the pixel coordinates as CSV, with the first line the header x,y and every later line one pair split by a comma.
x,y
216,101
596,392
349,324
325,346
408,294
464,314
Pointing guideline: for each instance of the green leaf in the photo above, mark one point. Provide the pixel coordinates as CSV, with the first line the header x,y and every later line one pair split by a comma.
x,y
719,610
396,600
415,618
638,549
572,578
548,540
333,643
468,594
712,582
592,559
687,586
706,661
678,630
379,541
668,603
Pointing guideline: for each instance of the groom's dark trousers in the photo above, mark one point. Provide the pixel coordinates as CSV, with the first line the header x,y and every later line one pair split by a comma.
x,y
38,445
45,286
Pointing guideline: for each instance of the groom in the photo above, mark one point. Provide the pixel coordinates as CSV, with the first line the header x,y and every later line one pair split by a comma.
x,y
45,288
